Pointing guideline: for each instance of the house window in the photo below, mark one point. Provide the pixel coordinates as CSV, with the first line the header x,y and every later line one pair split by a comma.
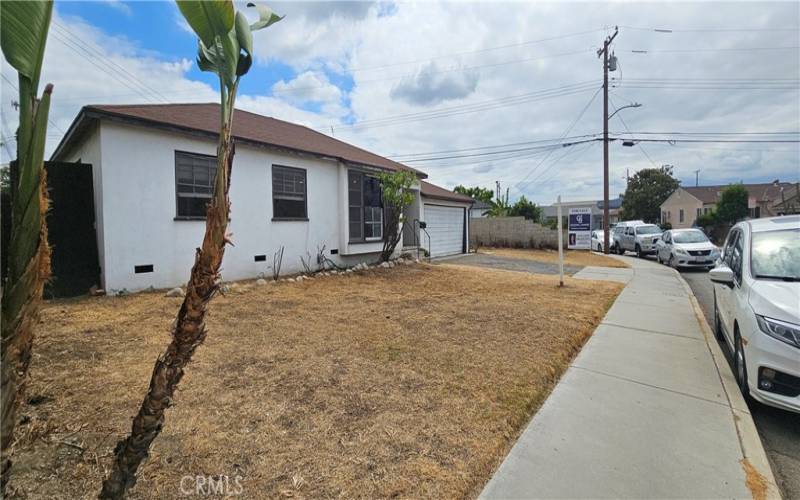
x,y
754,213
698,212
663,217
365,207
194,183
289,193
680,215
705,210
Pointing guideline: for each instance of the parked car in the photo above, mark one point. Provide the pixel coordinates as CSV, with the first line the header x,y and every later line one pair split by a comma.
x,y
597,239
757,308
636,236
686,248
617,232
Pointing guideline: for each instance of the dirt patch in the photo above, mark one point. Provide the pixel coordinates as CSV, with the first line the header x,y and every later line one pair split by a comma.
x,y
571,257
345,386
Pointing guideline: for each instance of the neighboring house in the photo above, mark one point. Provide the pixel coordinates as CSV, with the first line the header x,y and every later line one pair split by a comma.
x,y
788,201
596,207
479,209
153,168
685,204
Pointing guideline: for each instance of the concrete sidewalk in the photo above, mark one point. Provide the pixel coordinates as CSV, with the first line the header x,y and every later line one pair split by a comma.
x,y
646,410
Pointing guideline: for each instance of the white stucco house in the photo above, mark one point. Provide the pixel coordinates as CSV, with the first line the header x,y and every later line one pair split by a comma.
x,y
291,187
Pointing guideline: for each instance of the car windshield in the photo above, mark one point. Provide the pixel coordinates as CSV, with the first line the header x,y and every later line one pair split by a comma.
x,y
689,237
648,229
776,254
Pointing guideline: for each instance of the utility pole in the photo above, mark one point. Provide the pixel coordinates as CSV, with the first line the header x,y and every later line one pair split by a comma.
x,y
604,53
696,178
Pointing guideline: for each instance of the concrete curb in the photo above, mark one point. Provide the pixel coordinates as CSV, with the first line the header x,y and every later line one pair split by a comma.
x,y
749,441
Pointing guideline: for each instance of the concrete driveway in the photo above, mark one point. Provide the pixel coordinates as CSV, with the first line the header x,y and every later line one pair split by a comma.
x,y
510,264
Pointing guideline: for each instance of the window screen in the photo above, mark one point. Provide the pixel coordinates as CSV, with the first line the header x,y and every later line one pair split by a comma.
x,y
373,208
194,183
355,204
365,206
288,193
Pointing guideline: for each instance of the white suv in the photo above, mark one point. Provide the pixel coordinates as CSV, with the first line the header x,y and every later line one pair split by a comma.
x,y
636,236
757,308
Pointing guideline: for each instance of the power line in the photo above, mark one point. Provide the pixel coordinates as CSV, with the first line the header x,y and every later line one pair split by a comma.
x,y
493,146
472,155
564,90
466,52
711,133
49,120
567,131
706,30
100,63
709,49
450,70
110,62
641,148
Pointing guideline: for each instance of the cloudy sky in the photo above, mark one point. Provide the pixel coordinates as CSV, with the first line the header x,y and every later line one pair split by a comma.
x,y
477,92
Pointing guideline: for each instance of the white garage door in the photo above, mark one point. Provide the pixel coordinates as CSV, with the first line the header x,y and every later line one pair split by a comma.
x,y
446,227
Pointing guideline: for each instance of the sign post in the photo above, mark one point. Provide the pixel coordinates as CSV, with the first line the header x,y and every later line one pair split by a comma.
x,y
560,244
580,229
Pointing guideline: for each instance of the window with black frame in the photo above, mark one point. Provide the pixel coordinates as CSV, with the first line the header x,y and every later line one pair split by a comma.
x,y
365,207
289,193
194,183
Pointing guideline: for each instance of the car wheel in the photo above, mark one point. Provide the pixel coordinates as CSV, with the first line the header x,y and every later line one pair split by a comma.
x,y
639,252
658,257
740,365
671,262
600,248
717,324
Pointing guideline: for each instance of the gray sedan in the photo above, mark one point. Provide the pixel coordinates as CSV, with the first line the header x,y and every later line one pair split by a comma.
x,y
686,248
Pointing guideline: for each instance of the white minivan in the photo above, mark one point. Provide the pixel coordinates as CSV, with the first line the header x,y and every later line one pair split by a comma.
x,y
757,308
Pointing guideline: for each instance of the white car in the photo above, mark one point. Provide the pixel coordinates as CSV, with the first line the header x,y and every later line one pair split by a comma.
x,y
686,248
597,240
757,308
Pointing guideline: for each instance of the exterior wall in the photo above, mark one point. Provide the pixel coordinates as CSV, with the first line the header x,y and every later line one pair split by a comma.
x,y
677,201
91,152
512,232
139,208
477,213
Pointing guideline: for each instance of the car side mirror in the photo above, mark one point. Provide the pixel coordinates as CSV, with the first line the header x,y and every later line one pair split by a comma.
x,y
722,274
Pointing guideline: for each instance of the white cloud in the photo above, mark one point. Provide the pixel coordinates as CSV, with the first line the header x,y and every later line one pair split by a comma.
x,y
308,86
381,49
119,6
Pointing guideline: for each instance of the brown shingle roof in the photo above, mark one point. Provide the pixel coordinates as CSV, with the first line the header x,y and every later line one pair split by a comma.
x,y
204,118
433,191
761,192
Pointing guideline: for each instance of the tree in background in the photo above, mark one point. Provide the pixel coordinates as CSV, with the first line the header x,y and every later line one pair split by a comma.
x,y
732,204
396,194
478,193
646,191
225,48
525,208
500,207
23,35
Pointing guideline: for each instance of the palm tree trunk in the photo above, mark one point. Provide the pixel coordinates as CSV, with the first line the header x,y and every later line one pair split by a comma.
x,y
188,332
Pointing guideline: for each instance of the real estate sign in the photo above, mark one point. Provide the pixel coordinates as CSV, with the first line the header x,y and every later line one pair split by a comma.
x,y
579,228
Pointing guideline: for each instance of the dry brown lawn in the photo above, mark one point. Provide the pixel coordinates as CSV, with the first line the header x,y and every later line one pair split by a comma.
x,y
571,257
409,382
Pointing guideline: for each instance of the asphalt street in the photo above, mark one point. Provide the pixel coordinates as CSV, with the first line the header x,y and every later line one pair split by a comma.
x,y
779,429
